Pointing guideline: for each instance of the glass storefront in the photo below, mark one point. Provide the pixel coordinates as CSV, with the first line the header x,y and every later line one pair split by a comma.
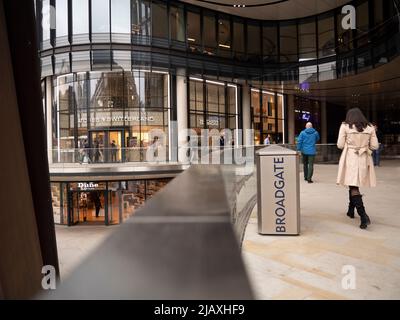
x,y
100,202
108,116
268,113
212,105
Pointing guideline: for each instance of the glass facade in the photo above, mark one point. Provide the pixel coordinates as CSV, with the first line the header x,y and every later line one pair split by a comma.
x,y
108,116
106,203
212,105
252,43
268,112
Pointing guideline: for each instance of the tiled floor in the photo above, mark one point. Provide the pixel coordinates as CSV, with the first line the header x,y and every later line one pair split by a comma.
x,y
310,266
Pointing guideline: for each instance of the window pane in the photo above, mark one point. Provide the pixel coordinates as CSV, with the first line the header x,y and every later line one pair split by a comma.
x,y
224,36
326,36
100,20
176,20
209,33
80,18
193,30
120,20
288,42
159,18
253,39
270,43
345,37
378,12
141,21
362,24
307,40
61,18
46,19
238,39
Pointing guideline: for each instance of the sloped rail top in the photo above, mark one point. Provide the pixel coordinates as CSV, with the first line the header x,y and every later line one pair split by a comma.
x,y
180,245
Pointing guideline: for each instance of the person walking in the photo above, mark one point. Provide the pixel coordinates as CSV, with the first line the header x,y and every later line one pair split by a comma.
x,y
306,144
357,138
267,140
114,149
97,203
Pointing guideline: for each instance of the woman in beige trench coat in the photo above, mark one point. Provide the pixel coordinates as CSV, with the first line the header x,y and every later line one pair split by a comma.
x,y
357,138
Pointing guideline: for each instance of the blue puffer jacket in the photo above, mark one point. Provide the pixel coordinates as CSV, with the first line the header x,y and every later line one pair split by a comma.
x,y
307,140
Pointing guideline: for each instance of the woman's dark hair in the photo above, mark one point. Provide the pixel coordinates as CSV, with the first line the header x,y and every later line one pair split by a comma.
x,y
356,118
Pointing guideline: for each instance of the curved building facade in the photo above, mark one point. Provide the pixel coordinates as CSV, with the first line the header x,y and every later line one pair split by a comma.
x,y
114,71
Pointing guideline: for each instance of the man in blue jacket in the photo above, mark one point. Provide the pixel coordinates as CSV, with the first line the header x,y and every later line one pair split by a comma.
x,y
306,144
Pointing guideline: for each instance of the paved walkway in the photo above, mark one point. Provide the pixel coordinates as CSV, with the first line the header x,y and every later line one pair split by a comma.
x,y
310,266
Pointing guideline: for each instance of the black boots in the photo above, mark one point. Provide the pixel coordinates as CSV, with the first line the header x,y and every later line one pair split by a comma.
x,y
358,203
350,212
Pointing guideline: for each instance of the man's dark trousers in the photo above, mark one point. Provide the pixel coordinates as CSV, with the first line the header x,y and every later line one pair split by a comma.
x,y
308,163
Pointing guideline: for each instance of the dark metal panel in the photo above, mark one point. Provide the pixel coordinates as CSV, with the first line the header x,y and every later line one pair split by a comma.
x,y
20,18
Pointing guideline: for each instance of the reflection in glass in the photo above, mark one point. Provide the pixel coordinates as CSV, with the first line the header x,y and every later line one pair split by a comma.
x,y
177,26
100,20
288,42
193,30
253,39
326,36
159,19
46,20
61,18
362,24
209,33
224,37
141,20
238,39
270,42
80,18
120,20
307,40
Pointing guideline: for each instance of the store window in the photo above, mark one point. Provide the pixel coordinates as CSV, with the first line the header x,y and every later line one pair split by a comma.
x,y
110,116
94,203
218,110
268,110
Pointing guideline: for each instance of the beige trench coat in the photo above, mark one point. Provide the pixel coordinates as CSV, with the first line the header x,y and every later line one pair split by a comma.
x,y
356,167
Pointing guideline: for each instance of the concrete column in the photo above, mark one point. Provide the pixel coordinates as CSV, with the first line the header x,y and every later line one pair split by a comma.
x,y
291,119
324,123
246,114
182,111
49,127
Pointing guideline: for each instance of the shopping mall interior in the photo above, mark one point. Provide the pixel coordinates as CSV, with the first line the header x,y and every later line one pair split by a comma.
x,y
118,81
